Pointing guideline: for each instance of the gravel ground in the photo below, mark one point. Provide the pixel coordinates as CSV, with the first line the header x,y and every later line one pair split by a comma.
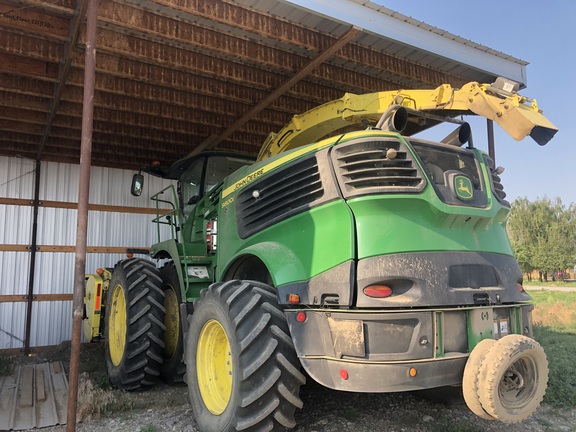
x,y
166,408
331,411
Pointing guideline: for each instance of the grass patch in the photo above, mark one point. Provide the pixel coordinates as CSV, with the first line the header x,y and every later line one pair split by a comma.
x,y
555,328
6,365
94,402
555,310
560,349
550,283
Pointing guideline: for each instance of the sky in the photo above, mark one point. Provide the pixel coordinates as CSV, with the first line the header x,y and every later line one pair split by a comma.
x,y
542,33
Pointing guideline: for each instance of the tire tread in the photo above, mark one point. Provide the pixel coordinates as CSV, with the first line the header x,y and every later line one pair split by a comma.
x,y
140,365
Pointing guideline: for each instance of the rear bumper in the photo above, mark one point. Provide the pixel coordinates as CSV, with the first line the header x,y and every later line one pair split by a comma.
x,y
382,377
397,350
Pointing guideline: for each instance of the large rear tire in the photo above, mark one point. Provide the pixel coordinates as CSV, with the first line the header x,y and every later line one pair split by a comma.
x,y
470,378
513,378
134,325
242,369
173,367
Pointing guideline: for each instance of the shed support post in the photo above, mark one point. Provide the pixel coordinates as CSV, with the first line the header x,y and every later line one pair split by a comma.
x,y
82,221
33,247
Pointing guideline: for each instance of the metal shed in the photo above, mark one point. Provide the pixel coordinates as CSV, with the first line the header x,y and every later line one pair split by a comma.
x,y
172,77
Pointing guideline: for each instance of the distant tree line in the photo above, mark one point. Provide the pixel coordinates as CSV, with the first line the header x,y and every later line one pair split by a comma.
x,y
543,236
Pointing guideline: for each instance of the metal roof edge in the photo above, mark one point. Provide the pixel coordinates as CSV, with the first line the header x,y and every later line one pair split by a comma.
x,y
381,21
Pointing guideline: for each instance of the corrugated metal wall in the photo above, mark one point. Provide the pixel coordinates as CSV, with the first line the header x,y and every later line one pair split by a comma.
x,y
52,320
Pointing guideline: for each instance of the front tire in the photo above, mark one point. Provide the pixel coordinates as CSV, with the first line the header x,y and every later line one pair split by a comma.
x,y
242,369
513,378
134,327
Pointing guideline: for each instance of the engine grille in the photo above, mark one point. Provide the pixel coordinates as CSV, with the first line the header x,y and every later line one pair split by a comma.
x,y
363,168
278,196
495,180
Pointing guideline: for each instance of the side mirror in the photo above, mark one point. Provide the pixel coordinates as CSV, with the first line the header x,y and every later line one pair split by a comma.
x,y
137,184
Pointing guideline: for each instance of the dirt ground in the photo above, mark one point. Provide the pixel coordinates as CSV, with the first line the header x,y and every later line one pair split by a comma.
x,y
166,408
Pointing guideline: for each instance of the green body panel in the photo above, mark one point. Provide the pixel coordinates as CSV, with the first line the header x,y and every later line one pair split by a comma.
x,y
295,249
389,224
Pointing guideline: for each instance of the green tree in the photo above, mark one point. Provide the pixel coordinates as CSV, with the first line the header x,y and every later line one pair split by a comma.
x,y
543,235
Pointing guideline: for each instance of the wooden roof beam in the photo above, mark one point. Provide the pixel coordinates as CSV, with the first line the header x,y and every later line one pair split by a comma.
x,y
268,100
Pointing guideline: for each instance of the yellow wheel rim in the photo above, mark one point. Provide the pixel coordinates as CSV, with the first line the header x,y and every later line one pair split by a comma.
x,y
214,367
172,322
117,325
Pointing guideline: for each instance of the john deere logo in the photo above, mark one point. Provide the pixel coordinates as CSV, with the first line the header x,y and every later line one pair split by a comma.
x,y
463,187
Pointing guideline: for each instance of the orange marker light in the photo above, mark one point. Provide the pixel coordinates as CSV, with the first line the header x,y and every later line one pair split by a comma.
x,y
293,298
413,372
99,271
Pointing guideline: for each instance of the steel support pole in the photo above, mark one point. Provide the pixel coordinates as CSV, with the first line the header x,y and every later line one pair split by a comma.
x,y
82,218
33,248
490,131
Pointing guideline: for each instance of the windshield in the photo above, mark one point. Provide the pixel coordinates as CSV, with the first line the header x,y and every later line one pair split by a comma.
x,y
205,173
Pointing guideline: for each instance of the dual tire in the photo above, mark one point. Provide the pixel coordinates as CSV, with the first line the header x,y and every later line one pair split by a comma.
x,y
144,333
505,379
242,370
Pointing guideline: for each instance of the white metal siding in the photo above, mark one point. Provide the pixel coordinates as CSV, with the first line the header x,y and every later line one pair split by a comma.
x,y
52,321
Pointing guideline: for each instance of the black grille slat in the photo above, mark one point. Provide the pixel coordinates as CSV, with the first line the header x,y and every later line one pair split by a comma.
x,y
272,214
278,196
353,166
363,168
278,190
380,171
272,206
384,181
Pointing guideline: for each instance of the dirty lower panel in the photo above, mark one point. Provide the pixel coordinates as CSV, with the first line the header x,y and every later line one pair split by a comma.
x,y
34,396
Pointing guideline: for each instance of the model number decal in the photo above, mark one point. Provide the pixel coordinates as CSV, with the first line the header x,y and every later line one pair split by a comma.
x,y
228,202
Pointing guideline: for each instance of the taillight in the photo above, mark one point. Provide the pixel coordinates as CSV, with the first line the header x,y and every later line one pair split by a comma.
x,y
378,291
211,235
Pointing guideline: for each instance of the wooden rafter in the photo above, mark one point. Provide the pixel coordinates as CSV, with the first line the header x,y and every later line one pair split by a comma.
x,y
64,71
289,83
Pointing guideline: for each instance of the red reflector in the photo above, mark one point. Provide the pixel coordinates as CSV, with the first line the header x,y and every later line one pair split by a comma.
x,y
378,291
301,317
520,287
344,374
97,299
